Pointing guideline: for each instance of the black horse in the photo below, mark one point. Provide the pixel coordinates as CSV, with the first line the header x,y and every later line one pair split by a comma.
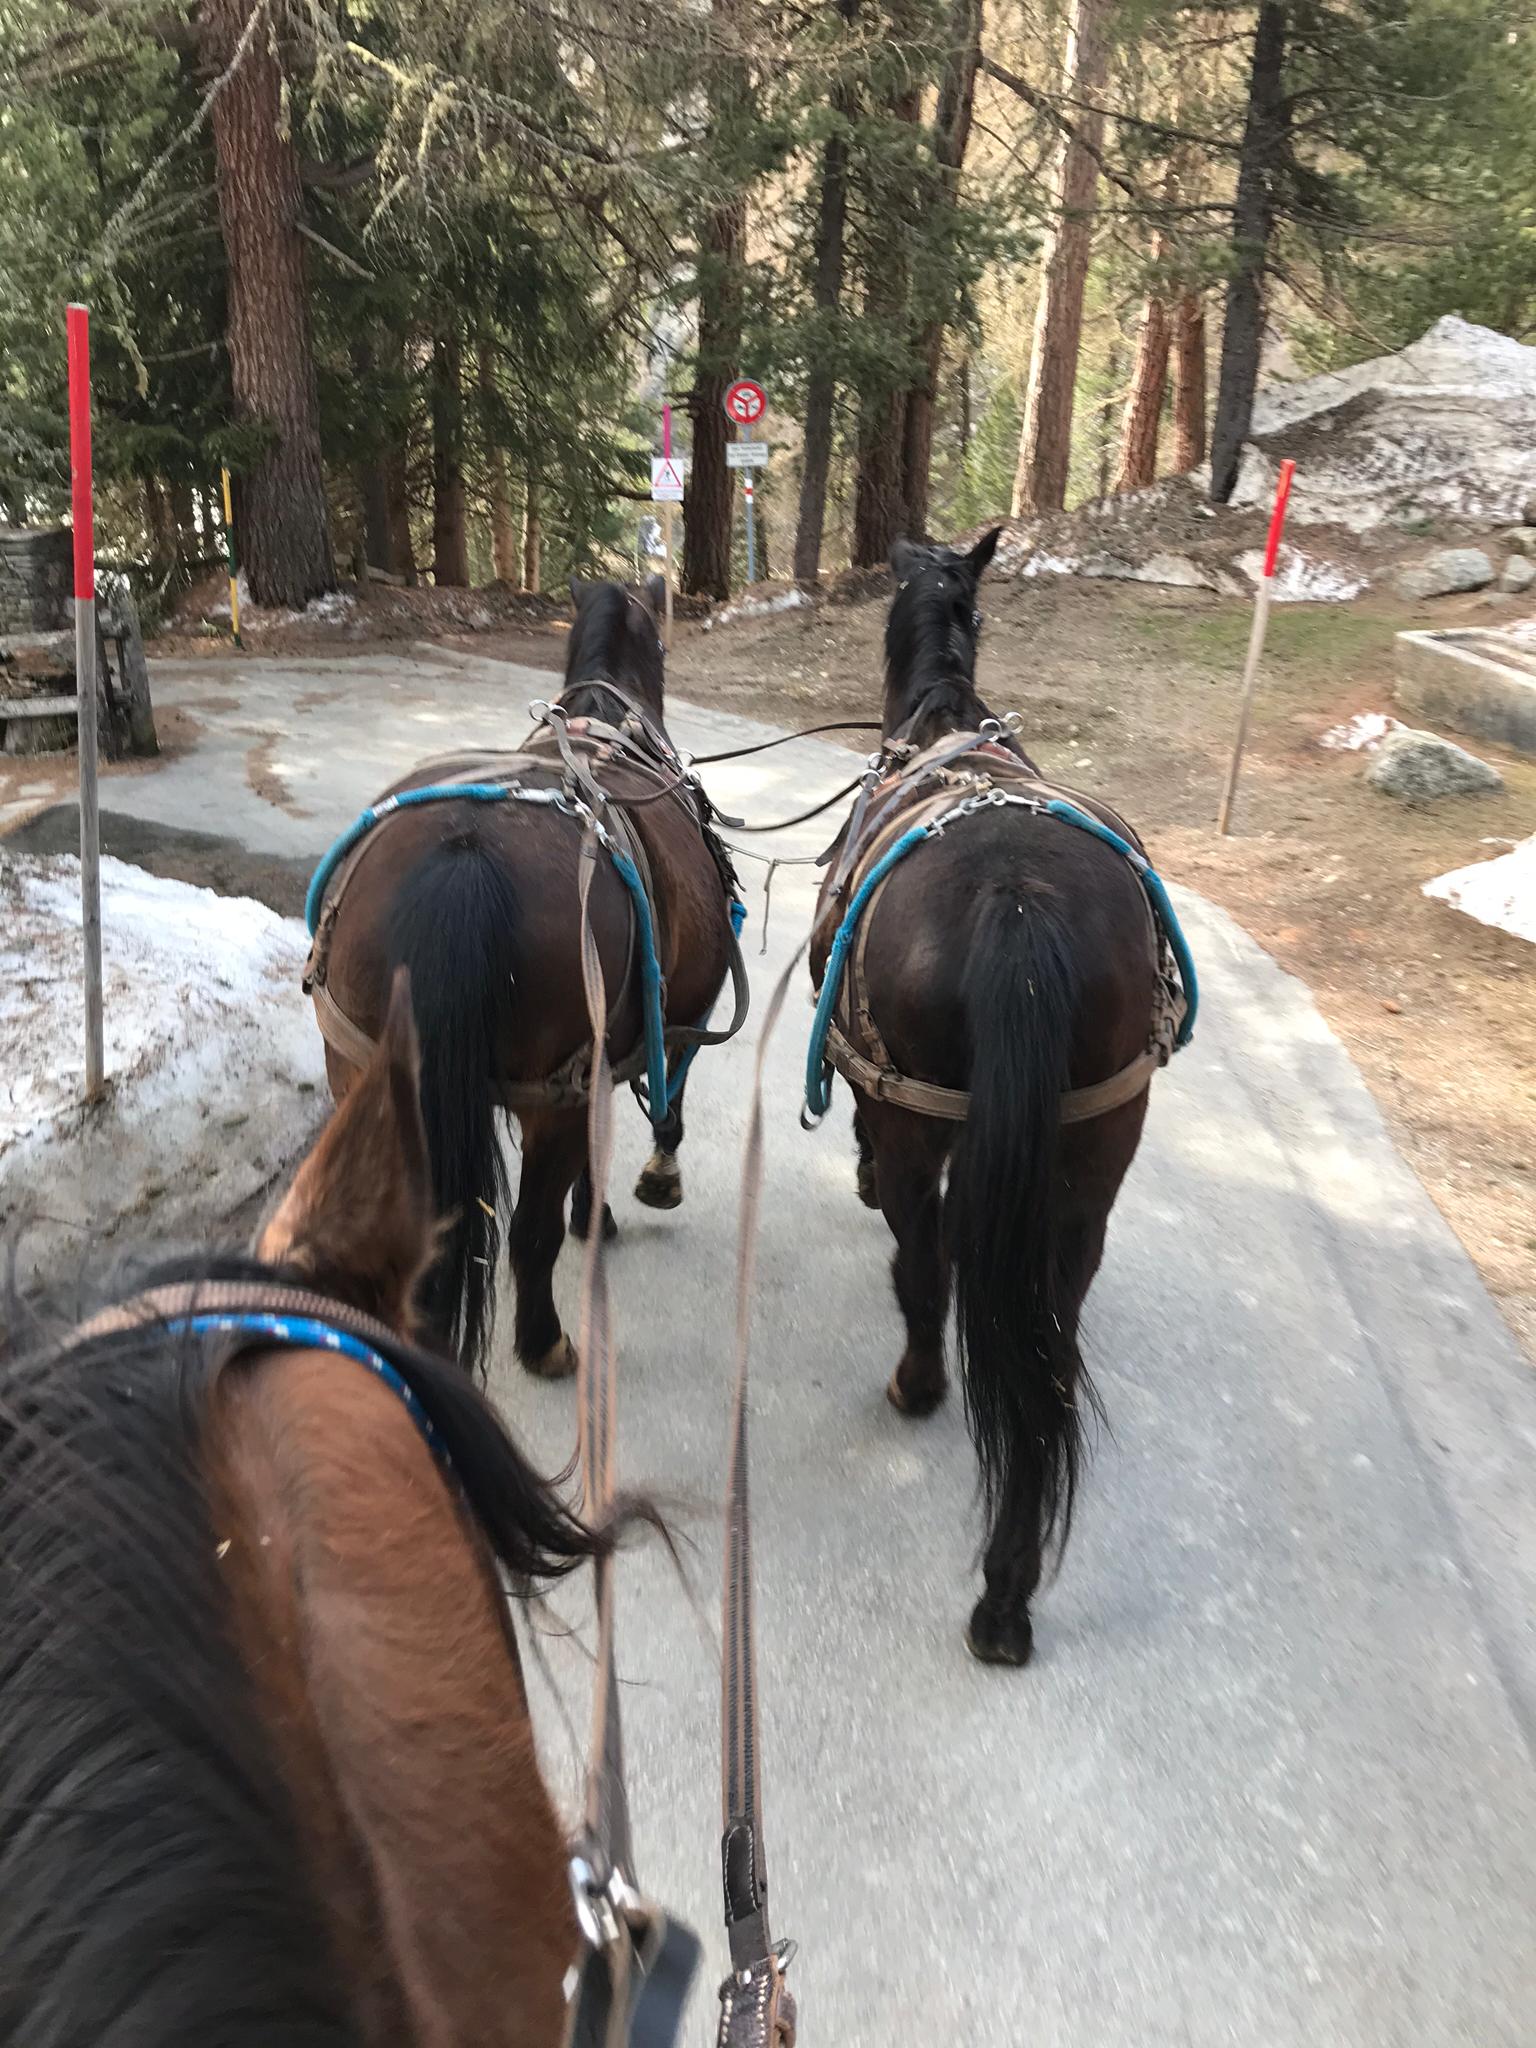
x,y
1012,957
480,902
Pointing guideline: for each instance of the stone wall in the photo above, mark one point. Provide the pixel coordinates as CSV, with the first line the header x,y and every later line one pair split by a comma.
x,y
36,577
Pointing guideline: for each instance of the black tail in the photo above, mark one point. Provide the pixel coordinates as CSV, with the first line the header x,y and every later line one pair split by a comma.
x,y
453,926
1023,1377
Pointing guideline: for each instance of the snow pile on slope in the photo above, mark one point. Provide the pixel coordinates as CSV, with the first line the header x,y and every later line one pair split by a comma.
x,y
1498,892
214,1065
1445,427
1303,579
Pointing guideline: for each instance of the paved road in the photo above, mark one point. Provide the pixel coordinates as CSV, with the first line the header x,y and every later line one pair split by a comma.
x,y
1269,1780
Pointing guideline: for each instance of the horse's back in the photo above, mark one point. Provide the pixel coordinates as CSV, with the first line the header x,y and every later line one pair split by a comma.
x,y
935,909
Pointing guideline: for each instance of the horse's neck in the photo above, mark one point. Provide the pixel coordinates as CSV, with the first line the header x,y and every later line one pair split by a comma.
x,y
923,712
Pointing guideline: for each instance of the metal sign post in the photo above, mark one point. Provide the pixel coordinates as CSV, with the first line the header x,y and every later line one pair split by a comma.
x,y
77,321
666,491
745,403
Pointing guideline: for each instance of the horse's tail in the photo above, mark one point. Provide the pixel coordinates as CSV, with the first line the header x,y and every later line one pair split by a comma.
x,y
453,926
1018,1348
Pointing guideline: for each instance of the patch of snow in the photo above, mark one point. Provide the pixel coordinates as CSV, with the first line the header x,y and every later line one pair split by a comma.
x,y
1366,729
1443,428
1302,579
1501,892
215,1068
757,608
333,608
1043,564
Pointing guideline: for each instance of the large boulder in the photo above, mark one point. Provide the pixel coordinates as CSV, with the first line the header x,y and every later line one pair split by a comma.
x,y
1416,767
1519,573
1445,571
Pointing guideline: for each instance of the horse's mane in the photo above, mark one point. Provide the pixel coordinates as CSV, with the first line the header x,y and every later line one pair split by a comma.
x,y
152,1878
615,639
930,649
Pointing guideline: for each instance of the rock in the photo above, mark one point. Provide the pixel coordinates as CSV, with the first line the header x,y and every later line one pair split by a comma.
x,y
1521,538
1445,571
1417,767
1519,573
1528,512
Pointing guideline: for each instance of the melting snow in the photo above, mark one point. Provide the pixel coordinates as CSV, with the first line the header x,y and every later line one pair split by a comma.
x,y
1366,729
757,608
214,1064
1501,892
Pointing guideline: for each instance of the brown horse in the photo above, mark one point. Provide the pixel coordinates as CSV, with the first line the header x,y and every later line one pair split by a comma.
x,y
1012,957
479,900
266,1764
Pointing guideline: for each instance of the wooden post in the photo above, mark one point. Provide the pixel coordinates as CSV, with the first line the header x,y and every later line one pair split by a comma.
x,y
78,327
1256,639
666,528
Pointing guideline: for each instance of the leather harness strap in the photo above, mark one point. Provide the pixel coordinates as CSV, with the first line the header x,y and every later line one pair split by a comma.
x,y
917,794
566,1087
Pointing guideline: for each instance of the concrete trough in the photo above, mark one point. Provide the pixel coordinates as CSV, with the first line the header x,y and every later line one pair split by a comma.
x,y
1473,679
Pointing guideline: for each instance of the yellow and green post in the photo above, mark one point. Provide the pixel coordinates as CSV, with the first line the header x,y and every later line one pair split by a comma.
x,y
234,561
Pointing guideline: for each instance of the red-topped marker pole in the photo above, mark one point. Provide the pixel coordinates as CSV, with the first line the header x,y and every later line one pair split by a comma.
x,y
78,328
1256,637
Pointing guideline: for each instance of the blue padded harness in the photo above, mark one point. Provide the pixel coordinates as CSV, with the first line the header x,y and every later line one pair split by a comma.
x,y
818,1082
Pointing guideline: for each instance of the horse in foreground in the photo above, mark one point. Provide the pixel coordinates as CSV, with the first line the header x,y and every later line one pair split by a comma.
x,y
266,1764
478,898
1006,1002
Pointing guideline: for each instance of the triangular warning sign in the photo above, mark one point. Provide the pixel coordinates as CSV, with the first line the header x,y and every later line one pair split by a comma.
x,y
667,478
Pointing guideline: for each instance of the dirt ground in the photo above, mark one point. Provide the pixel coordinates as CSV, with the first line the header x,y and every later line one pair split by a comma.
x,y
1130,692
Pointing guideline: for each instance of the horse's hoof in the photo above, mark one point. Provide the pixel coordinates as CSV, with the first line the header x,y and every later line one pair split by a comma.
x,y
869,1193
581,1224
915,1400
557,1363
999,1636
660,1186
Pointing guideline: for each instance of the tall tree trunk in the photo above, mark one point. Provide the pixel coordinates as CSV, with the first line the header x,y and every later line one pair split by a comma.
x,y
285,541
450,528
1144,402
369,472
827,298
1265,141
1106,434
1045,445
951,138
504,549
159,527
707,507
722,257
184,523
401,559
880,513
1188,382
533,537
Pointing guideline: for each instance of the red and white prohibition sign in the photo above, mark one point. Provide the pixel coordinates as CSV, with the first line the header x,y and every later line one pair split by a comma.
x,y
745,402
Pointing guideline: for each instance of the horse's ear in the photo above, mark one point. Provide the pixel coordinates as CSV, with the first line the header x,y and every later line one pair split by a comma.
x,y
983,551
358,1218
656,595
906,558
580,591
